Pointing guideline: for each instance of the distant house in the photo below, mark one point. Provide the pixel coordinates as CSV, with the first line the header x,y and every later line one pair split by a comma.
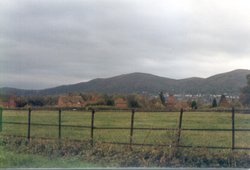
x,y
10,103
93,99
4,104
70,101
121,103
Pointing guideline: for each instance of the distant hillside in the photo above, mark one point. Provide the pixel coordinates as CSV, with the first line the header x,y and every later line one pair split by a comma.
x,y
229,82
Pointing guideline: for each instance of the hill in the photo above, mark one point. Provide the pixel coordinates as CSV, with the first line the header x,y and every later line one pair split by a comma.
x,y
229,83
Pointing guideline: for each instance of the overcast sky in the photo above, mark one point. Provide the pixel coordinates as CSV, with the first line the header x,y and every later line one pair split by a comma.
x,y
45,43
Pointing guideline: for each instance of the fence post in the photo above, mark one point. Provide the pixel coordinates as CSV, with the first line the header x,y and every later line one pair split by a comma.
x,y
92,127
179,127
59,123
233,130
29,115
132,127
1,119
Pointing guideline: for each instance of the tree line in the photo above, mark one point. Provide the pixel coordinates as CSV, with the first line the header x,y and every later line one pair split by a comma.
x,y
133,100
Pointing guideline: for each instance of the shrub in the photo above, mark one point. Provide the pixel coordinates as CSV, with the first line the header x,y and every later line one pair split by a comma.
x,y
132,102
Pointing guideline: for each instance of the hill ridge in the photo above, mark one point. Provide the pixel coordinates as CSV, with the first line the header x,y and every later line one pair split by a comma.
x,y
137,82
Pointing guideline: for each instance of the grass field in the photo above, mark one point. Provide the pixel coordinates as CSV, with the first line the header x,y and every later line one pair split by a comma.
x,y
207,120
10,159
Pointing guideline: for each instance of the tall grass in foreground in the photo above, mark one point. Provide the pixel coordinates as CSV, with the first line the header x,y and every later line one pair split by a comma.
x,y
11,159
54,153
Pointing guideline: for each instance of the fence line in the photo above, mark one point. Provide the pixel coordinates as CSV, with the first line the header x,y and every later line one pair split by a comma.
x,y
233,130
179,129
132,128
92,127
29,115
59,123
247,111
1,119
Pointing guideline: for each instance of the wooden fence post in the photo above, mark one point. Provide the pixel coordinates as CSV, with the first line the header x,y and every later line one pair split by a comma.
x,y
29,116
179,127
132,127
92,127
233,129
1,119
59,123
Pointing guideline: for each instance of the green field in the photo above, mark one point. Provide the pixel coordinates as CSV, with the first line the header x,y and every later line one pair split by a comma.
x,y
207,120
10,159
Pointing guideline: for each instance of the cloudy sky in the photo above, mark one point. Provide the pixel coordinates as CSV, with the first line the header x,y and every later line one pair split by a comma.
x,y
45,43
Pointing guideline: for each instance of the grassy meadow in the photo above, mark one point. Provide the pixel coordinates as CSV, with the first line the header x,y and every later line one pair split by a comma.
x,y
10,159
114,119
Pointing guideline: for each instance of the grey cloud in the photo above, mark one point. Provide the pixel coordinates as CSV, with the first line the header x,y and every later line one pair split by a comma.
x,y
71,41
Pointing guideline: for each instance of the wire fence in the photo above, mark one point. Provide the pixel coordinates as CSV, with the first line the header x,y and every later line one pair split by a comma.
x,y
128,134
